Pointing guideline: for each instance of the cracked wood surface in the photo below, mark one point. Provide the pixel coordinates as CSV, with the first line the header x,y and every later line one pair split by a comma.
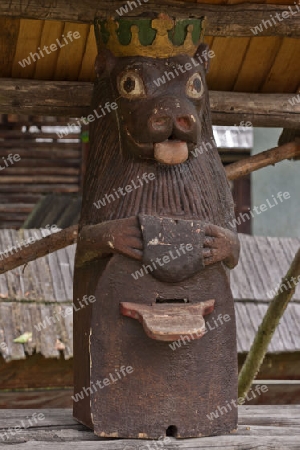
x,y
260,427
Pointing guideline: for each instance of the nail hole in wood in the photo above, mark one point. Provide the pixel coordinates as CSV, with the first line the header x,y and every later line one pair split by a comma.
x,y
171,431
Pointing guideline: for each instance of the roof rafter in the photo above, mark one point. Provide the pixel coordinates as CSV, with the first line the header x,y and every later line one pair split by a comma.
x,y
222,20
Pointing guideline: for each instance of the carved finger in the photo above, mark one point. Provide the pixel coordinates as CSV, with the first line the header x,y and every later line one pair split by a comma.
x,y
132,221
134,231
210,242
133,253
207,252
208,261
213,230
135,243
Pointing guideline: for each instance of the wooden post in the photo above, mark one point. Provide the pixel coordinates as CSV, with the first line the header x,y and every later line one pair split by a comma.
x,y
156,242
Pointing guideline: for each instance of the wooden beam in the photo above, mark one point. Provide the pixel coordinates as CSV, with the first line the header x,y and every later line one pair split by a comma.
x,y
290,134
72,99
267,158
262,110
39,248
44,98
222,20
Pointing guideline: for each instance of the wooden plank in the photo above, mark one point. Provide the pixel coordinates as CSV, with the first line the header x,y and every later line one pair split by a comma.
x,y
87,71
57,429
37,179
15,170
20,217
50,398
44,441
286,68
31,143
16,134
45,98
16,207
45,67
40,188
8,43
42,153
9,325
10,223
26,374
40,272
50,163
73,99
223,20
230,54
19,198
39,121
28,41
257,63
70,56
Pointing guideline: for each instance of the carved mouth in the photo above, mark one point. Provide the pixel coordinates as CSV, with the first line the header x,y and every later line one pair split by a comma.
x,y
171,151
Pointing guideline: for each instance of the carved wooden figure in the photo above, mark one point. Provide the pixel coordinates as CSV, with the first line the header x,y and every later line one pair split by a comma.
x,y
156,242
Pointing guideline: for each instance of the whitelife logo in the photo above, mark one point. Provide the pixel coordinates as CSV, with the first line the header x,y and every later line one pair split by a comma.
x,y
279,18
119,373
146,177
53,47
10,160
261,208
241,400
294,100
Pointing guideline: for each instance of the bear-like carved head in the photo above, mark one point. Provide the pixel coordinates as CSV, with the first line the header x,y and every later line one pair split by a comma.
x,y
162,115
160,103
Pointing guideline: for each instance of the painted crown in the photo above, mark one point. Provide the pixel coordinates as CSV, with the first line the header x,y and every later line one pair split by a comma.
x,y
162,37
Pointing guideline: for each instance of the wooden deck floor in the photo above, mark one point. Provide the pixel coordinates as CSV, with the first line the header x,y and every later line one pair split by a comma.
x,y
260,427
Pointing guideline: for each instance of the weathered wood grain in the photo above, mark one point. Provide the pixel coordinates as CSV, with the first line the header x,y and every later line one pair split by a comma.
x,y
26,374
263,159
262,110
42,247
73,99
222,20
58,430
41,398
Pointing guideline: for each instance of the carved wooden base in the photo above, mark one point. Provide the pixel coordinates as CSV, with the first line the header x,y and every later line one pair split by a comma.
x,y
141,387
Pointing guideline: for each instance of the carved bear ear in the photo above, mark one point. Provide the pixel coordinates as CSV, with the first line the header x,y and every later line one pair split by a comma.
x,y
104,61
202,55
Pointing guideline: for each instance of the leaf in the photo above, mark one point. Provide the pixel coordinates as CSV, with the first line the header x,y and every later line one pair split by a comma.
x,y
23,338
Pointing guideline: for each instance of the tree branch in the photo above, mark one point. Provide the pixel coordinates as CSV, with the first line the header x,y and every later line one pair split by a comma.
x,y
269,157
40,248
268,326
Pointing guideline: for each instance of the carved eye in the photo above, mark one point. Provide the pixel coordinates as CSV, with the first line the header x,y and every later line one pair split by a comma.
x,y
194,86
131,85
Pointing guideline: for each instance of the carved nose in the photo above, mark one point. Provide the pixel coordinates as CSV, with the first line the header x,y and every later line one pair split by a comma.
x,y
184,123
160,123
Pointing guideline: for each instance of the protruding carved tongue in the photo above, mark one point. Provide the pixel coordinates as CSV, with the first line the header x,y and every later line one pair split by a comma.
x,y
171,152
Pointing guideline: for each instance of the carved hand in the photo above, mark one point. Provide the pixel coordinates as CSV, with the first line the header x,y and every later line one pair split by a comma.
x,y
220,244
117,236
123,236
